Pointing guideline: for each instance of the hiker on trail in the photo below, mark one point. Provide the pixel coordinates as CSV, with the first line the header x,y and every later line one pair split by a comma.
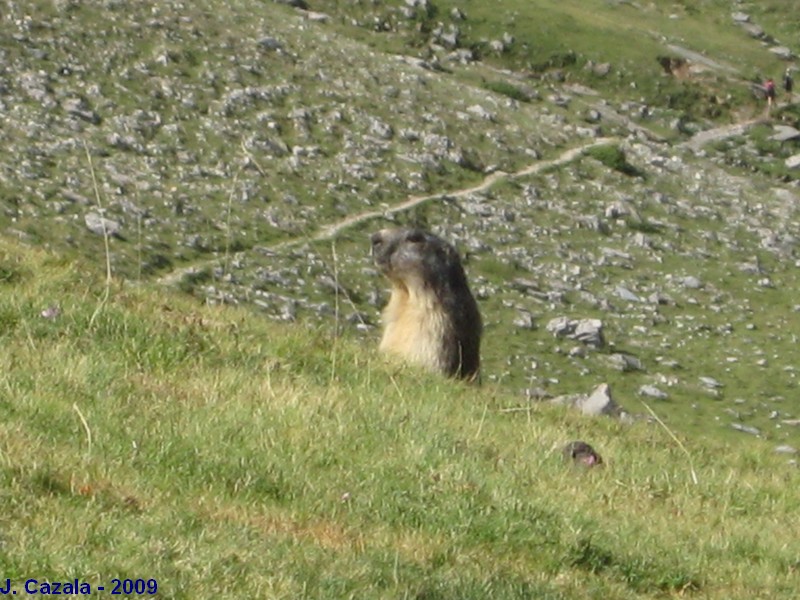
x,y
788,84
769,90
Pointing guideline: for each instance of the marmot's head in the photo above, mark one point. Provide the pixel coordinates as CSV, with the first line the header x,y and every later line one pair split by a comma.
x,y
416,259
582,454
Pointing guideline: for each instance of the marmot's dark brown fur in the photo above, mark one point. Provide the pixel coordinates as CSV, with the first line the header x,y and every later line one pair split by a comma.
x,y
432,318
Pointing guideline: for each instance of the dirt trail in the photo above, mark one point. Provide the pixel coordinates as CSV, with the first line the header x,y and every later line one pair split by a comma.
x,y
330,231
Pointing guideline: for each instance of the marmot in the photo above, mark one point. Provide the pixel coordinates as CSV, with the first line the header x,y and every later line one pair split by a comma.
x,y
582,454
432,318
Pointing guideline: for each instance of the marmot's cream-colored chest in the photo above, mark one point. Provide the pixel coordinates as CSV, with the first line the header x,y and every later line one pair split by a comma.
x,y
414,328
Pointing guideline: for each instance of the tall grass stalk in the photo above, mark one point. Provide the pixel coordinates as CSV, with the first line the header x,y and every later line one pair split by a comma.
x,y
336,315
106,244
658,420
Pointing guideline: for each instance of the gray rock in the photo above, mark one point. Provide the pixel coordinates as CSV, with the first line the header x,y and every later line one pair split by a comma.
x,y
710,383
753,30
625,362
601,69
78,107
593,223
784,449
127,143
784,133
481,112
692,283
793,162
438,145
270,43
449,39
527,286
593,116
746,428
577,352
288,311
497,46
626,294
766,282
299,114
599,402
462,55
561,326
652,391
524,320
590,332
617,210
782,52
269,145
99,225
660,299
317,17
75,197
36,85
740,17
560,100
380,129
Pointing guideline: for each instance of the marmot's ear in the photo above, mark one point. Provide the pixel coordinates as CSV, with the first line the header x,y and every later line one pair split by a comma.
x,y
444,255
453,254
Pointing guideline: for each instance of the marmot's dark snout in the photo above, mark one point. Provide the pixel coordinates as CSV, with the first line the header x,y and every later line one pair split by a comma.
x,y
377,240
392,248
381,248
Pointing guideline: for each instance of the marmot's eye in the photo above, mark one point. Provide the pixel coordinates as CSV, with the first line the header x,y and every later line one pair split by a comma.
x,y
416,237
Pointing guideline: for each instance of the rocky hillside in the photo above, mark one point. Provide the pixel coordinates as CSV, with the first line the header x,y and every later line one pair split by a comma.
x,y
627,211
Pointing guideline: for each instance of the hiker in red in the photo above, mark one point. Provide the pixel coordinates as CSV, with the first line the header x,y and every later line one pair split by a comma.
x,y
769,90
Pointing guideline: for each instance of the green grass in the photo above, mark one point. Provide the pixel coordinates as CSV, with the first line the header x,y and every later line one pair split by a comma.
x,y
507,89
566,35
149,437
614,158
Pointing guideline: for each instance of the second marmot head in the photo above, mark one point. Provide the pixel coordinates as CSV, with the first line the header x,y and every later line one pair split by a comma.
x,y
432,318
581,454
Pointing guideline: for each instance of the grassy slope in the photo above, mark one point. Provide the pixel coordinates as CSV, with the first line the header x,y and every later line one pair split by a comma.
x,y
232,456
565,34
222,448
